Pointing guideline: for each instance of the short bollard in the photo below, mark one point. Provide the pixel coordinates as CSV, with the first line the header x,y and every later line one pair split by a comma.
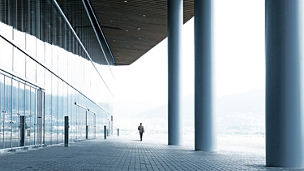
x,y
105,132
118,132
22,130
87,132
66,131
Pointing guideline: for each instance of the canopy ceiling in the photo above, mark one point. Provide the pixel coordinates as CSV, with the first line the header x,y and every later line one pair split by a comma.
x,y
133,27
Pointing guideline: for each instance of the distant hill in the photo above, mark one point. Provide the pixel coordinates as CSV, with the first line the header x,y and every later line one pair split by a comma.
x,y
235,114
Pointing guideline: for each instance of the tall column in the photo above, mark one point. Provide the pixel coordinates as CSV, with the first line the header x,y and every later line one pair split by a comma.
x,y
284,83
204,132
175,23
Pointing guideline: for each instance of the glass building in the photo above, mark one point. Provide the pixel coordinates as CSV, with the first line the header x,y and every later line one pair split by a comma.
x,y
49,68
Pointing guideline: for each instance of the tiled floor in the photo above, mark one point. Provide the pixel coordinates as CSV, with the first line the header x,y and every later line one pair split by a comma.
x,y
121,154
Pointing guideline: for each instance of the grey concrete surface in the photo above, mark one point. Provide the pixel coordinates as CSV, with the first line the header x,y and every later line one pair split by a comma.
x,y
122,154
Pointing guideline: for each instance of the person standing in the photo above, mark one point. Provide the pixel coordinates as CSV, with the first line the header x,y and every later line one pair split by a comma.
x,y
141,131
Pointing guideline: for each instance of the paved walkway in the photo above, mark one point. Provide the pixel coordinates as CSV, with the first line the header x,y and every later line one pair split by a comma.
x,y
120,154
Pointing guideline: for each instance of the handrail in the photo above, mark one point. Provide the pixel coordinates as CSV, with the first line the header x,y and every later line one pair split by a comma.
x,y
83,107
19,79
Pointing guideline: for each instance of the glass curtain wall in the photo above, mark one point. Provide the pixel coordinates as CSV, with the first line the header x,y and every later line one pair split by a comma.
x,y
45,74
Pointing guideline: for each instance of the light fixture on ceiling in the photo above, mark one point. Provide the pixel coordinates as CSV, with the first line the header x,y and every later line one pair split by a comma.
x,y
125,1
138,28
143,15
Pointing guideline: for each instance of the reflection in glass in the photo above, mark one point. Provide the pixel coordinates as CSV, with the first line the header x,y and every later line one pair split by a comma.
x,y
33,89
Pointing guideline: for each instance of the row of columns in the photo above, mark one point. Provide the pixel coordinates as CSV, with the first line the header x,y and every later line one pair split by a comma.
x,y
284,79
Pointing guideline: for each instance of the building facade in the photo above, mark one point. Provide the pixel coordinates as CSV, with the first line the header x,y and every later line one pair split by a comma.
x,y
49,68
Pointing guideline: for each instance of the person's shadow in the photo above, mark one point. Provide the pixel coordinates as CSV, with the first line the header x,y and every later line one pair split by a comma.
x,y
135,140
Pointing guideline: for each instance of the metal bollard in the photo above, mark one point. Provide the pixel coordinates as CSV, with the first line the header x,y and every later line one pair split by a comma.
x,y
118,132
22,130
87,127
87,132
66,131
105,132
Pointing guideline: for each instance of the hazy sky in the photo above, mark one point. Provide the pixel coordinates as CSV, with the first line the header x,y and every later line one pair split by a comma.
x,y
239,61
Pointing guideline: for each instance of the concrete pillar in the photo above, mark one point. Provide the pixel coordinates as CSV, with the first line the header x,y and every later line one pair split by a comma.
x,y
204,132
284,83
175,23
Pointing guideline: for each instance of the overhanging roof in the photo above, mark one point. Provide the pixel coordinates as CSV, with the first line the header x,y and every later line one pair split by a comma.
x,y
133,27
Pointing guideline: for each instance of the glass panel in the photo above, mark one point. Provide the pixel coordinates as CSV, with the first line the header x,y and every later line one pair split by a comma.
x,y
8,113
48,111
19,40
55,59
15,115
40,117
6,53
64,105
48,55
43,115
30,64
73,116
2,109
54,110
60,112
95,128
40,69
76,122
33,116
5,29
12,21
19,57
3,11
32,16
79,123
90,124
83,124
27,111
19,14
21,99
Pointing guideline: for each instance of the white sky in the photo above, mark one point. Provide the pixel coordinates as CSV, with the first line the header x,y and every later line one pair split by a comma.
x,y
238,52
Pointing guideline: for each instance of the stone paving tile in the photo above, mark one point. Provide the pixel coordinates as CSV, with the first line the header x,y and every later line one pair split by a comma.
x,y
116,154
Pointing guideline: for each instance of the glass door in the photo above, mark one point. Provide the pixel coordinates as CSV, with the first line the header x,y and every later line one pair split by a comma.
x,y
21,113
81,114
91,122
